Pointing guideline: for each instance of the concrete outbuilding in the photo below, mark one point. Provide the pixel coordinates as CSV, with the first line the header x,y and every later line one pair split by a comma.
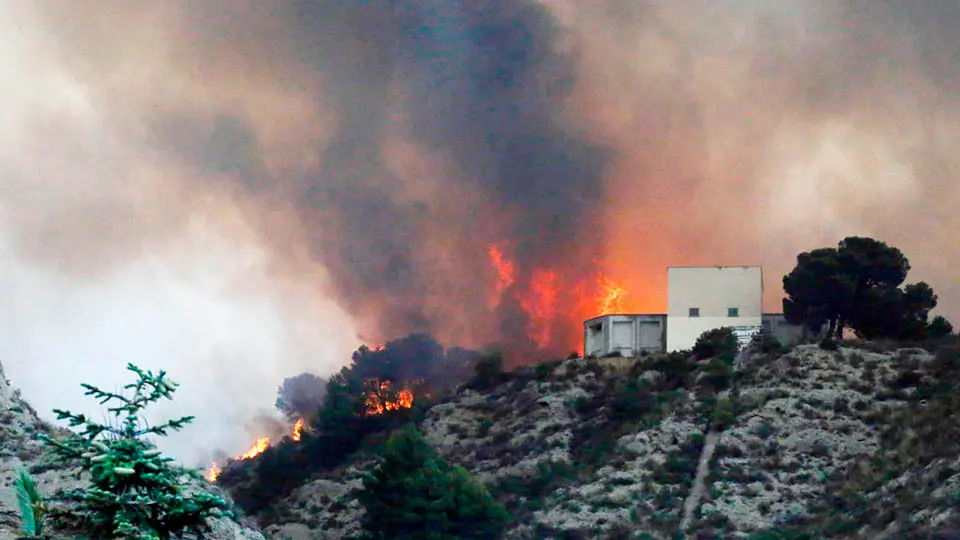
x,y
698,299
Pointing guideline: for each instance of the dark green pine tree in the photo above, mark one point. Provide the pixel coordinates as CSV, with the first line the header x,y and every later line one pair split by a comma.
x,y
415,494
135,492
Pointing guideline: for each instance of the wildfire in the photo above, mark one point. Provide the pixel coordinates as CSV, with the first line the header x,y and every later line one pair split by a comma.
x,y
540,305
504,269
610,299
213,472
258,447
378,401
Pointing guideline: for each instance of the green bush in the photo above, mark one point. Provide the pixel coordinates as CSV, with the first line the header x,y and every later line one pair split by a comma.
x,y
718,373
716,343
939,327
724,414
766,343
675,367
134,491
415,494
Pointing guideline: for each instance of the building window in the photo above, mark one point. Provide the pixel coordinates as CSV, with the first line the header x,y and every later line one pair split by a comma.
x,y
694,312
733,312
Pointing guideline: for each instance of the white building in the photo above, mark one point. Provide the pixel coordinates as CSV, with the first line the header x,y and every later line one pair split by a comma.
x,y
698,299
626,334
704,298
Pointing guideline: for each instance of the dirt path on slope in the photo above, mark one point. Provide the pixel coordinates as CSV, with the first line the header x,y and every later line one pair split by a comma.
x,y
700,481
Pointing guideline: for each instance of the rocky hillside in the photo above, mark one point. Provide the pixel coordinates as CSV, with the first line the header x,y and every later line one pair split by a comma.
x,y
20,448
810,443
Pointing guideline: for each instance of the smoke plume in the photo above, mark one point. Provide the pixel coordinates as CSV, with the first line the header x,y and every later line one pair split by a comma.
x,y
237,190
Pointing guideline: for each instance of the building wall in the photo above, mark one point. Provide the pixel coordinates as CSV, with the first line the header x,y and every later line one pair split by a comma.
x,y
712,291
786,333
628,334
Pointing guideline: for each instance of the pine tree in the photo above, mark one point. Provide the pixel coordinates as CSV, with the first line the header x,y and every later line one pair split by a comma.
x,y
135,491
416,494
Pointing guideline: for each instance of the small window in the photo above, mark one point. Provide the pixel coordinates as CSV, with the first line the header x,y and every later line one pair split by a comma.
x,y
733,312
694,312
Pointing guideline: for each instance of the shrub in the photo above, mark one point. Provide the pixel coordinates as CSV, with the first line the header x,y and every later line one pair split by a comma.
x,y
766,343
488,373
414,493
135,492
718,373
716,343
724,414
675,367
939,327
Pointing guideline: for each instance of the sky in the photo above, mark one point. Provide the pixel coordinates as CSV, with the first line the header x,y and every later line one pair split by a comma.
x,y
241,191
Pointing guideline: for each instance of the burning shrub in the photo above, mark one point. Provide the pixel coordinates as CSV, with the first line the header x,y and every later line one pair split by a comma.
x,y
135,492
414,493
382,389
301,396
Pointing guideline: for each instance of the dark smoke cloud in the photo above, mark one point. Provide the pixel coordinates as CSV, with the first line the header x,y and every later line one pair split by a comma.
x,y
272,154
477,84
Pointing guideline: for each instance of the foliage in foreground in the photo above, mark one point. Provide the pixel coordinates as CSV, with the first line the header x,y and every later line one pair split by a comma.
x,y
414,493
134,491
32,507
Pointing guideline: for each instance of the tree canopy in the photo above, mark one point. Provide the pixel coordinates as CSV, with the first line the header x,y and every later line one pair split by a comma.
x,y
414,493
857,285
301,396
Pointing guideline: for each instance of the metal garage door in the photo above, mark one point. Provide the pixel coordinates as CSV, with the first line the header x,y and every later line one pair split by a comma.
x,y
623,337
651,335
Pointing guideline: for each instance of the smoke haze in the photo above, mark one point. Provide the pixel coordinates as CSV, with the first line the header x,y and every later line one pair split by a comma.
x,y
236,191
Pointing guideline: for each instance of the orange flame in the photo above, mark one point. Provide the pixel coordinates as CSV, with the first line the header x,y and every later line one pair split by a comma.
x,y
378,402
213,472
610,299
540,305
504,269
257,448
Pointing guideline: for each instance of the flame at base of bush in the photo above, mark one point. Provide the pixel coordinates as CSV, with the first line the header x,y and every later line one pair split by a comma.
x,y
258,447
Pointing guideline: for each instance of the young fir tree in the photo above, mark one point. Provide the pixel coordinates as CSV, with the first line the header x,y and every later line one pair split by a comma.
x,y
135,492
416,494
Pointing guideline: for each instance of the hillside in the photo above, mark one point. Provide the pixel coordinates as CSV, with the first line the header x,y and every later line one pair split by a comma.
x,y
20,448
810,443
